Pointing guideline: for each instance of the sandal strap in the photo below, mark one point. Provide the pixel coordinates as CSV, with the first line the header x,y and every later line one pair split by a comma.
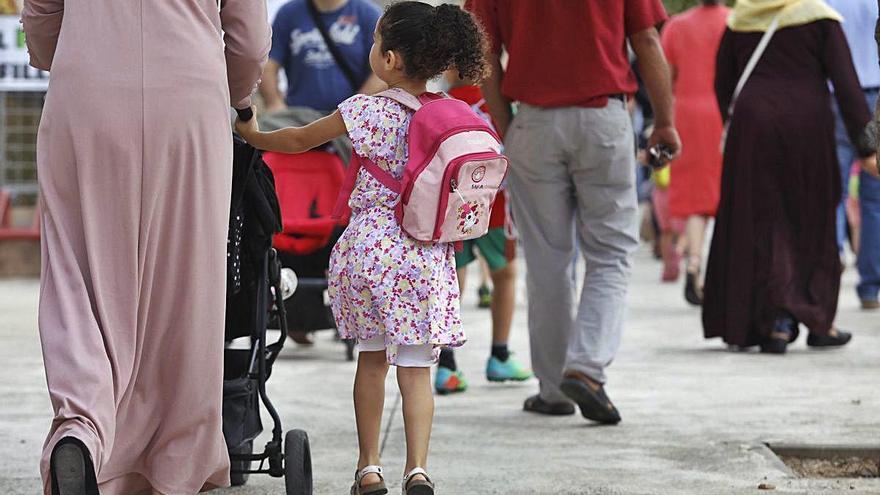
x,y
414,472
377,470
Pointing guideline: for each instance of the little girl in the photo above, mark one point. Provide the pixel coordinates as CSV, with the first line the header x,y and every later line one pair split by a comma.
x,y
398,297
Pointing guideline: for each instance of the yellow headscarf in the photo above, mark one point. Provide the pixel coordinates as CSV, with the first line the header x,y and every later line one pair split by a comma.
x,y
757,15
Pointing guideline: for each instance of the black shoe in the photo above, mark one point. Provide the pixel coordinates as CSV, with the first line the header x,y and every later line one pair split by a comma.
x,y
594,404
785,331
692,293
841,338
538,405
774,345
71,469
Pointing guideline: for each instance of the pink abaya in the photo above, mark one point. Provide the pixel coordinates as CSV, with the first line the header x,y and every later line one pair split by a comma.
x,y
134,161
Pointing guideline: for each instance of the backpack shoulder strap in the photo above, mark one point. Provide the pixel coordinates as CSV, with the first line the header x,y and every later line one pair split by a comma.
x,y
408,100
351,175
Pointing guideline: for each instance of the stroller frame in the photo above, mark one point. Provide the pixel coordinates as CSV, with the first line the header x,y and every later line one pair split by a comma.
x,y
247,370
262,357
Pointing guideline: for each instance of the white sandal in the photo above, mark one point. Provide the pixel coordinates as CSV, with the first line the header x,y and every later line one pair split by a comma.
x,y
419,486
371,489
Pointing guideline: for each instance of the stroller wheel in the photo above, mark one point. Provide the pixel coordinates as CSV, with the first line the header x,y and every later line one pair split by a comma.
x,y
236,476
297,463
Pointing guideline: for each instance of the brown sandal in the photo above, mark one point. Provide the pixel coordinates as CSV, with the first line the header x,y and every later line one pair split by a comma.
x,y
417,486
371,489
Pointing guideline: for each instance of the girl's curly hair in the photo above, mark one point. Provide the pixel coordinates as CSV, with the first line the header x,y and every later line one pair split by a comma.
x,y
434,39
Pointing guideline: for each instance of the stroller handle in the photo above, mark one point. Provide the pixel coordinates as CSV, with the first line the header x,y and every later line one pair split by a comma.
x,y
245,114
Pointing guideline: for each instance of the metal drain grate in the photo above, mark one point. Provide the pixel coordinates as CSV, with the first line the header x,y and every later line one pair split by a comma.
x,y
830,461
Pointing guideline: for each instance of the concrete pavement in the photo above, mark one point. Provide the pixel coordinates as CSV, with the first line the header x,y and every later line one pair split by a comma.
x,y
695,416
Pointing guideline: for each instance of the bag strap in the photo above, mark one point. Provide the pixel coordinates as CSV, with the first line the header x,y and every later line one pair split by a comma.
x,y
347,188
351,176
332,46
753,61
408,100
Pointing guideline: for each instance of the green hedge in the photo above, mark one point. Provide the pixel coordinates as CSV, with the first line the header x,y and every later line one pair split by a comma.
x,y
676,6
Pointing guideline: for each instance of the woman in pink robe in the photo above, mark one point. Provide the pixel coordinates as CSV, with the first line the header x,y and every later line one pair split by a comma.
x,y
134,157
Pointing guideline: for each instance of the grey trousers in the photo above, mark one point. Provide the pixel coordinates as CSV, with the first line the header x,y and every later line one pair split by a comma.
x,y
572,180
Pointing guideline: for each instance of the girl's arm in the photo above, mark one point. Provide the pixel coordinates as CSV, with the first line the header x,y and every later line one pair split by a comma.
x,y
292,139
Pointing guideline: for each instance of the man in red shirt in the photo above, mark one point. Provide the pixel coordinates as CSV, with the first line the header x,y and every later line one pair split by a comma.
x,y
573,173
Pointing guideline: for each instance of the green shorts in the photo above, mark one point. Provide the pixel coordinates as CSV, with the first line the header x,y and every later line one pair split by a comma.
x,y
495,247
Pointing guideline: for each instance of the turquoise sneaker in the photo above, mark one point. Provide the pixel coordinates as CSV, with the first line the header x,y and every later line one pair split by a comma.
x,y
510,370
449,382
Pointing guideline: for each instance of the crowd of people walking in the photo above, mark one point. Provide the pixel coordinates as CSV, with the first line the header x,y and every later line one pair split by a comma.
x,y
741,113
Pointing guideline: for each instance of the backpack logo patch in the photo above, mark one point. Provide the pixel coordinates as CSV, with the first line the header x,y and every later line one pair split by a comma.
x,y
479,174
469,216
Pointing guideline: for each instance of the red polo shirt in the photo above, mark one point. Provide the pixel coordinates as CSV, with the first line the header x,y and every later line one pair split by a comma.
x,y
566,52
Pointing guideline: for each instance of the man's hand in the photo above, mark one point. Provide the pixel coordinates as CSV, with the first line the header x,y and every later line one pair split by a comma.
x,y
668,137
869,165
247,129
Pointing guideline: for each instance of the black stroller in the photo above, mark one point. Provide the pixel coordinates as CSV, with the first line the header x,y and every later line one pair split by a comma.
x,y
253,303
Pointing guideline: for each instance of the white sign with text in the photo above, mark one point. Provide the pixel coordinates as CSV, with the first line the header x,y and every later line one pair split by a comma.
x,y
15,73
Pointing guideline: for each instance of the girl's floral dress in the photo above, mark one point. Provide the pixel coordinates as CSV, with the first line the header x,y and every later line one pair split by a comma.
x,y
381,280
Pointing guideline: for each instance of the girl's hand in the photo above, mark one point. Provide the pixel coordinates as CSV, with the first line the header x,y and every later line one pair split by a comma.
x,y
869,165
247,129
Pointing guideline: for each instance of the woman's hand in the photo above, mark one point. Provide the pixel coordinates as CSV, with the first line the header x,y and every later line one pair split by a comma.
x,y
869,165
249,129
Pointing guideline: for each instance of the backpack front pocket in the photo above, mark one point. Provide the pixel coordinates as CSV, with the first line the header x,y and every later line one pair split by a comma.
x,y
470,183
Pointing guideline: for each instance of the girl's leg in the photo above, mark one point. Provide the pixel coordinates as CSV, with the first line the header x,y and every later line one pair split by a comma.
x,y
418,413
695,232
369,402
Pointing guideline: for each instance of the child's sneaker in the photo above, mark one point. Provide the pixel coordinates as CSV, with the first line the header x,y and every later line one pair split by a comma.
x,y
449,382
510,370
484,294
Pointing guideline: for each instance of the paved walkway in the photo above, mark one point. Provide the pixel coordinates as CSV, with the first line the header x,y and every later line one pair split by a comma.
x,y
695,416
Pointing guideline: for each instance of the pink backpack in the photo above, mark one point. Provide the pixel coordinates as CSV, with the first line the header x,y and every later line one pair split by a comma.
x,y
454,171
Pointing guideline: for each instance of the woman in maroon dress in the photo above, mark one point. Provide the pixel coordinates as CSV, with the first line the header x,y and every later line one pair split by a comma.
x,y
774,262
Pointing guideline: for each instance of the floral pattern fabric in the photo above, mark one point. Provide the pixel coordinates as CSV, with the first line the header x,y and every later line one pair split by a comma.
x,y
382,281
